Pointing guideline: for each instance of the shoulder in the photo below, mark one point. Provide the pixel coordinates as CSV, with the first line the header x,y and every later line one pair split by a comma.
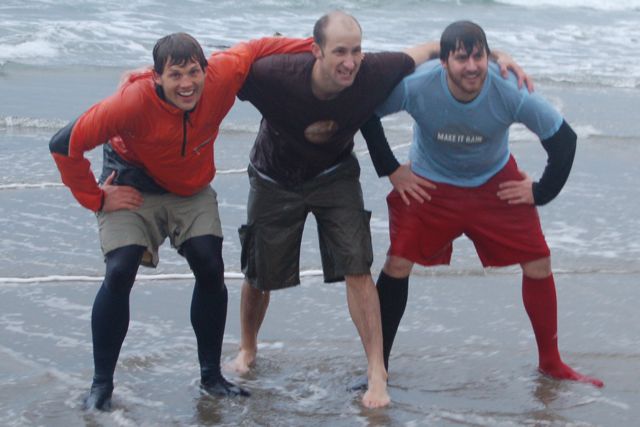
x,y
426,74
282,70
227,62
509,84
427,70
505,89
290,62
390,62
135,97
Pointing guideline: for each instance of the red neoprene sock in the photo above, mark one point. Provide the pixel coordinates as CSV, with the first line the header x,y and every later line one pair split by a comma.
x,y
539,297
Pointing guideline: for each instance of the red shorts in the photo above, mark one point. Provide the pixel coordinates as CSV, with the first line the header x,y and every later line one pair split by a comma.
x,y
503,234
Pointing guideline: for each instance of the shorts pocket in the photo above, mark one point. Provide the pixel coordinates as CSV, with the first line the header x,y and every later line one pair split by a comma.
x,y
247,254
367,249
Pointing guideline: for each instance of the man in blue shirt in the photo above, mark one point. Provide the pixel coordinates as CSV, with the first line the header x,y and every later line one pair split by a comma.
x,y
472,185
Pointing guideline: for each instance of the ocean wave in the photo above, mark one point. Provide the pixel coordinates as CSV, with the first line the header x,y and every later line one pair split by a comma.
x,y
623,79
589,46
229,126
22,186
519,133
43,185
31,123
28,123
437,272
618,5
139,277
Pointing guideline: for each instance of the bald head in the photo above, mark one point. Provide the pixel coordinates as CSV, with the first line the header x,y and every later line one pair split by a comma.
x,y
336,19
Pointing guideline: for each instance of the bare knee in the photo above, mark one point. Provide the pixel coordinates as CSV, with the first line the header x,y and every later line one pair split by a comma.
x,y
254,294
537,269
359,281
397,267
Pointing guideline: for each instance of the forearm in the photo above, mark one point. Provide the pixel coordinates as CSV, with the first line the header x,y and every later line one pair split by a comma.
x,y
75,172
424,52
561,149
279,45
384,161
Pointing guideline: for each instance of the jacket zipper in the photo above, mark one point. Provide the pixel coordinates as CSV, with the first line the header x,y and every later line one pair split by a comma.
x,y
185,119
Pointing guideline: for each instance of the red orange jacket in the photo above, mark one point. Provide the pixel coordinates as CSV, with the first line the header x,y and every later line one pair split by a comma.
x,y
150,133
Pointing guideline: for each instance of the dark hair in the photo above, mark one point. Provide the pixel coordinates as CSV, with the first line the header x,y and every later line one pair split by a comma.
x,y
180,48
319,35
462,34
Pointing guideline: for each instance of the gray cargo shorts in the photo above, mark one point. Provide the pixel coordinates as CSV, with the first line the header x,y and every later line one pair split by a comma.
x,y
276,214
160,216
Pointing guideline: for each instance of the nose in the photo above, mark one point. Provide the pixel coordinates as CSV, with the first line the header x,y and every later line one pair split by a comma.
x,y
350,62
472,64
186,81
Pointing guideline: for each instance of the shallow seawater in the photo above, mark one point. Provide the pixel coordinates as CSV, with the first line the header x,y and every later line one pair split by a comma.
x,y
465,353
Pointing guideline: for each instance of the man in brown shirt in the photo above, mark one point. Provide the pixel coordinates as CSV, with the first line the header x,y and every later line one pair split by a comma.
x,y
302,161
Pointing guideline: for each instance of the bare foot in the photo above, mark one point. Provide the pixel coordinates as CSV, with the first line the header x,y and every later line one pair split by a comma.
x,y
242,363
564,372
376,395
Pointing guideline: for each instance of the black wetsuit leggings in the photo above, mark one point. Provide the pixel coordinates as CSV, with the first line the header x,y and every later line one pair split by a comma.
x,y
110,315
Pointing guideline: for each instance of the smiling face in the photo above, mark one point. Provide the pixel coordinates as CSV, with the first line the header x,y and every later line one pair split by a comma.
x,y
339,57
466,72
182,84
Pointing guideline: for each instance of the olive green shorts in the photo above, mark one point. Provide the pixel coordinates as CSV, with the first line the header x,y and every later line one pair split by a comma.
x,y
159,217
272,237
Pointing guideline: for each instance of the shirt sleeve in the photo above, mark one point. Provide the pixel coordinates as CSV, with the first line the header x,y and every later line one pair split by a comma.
x,y
384,161
561,150
239,58
538,115
395,101
95,127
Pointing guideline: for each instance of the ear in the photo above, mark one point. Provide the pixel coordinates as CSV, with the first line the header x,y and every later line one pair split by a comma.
x,y
156,78
316,50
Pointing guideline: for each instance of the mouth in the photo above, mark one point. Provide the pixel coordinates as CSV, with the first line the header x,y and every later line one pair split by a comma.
x,y
187,94
345,74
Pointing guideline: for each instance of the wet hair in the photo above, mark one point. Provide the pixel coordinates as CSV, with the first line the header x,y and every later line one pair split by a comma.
x,y
180,49
462,34
319,33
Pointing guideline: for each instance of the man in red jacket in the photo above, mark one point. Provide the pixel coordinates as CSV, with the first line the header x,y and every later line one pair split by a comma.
x,y
158,163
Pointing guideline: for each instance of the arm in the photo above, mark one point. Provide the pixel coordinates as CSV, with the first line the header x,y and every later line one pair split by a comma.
x,y
276,45
404,181
561,149
506,63
243,55
75,171
68,146
423,52
384,161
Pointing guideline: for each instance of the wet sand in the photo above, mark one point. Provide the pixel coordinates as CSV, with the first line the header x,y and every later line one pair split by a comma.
x,y
465,355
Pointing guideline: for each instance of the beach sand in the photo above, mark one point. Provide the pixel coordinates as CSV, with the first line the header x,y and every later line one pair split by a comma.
x,y
465,355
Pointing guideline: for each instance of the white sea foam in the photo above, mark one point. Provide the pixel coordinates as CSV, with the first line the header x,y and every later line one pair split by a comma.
x,y
39,50
20,186
13,122
590,4
569,42
587,131
140,277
